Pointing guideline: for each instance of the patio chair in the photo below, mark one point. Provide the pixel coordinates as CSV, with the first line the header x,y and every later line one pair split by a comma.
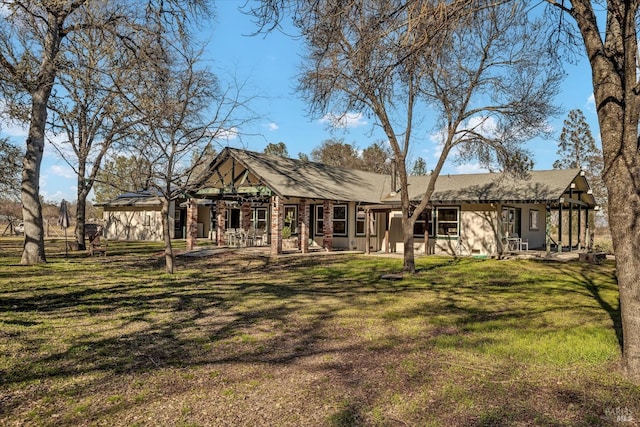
x,y
259,237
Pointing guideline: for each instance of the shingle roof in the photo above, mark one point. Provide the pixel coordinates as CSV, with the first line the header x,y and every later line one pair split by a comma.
x,y
297,178
141,199
539,186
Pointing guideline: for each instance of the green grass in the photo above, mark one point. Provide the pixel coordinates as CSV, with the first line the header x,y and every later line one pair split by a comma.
x,y
239,339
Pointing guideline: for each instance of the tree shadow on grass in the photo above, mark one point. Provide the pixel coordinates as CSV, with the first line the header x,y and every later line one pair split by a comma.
x,y
586,276
247,310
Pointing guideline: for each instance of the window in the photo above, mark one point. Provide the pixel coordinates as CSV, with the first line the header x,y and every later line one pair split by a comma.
x,y
533,220
233,218
423,223
319,219
291,218
510,221
340,220
447,219
259,220
146,220
360,223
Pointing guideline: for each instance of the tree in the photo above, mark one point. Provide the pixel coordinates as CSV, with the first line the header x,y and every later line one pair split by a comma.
x,y
481,67
419,167
90,110
377,158
10,171
578,149
336,152
303,156
31,38
122,174
183,110
612,52
279,149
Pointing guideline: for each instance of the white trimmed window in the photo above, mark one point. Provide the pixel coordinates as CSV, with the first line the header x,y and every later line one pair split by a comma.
x,y
340,220
259,219
448,221
424,223
291,217
361,217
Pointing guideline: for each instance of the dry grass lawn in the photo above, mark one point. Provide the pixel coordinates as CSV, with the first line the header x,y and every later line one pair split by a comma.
x,y
236,339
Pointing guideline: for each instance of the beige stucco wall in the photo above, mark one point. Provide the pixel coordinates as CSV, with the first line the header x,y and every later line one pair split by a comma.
x,y
128,223
480,230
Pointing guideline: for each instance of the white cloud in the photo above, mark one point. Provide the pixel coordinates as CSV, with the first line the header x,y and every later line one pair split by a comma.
x,y
482,125
470,168
273,126
14,130
62,171
347,120
591,103
227,134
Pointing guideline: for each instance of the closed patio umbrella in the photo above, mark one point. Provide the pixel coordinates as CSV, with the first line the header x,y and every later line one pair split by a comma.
x,y
63,221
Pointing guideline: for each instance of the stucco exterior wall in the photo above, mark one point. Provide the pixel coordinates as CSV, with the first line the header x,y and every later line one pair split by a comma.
x,y
136,223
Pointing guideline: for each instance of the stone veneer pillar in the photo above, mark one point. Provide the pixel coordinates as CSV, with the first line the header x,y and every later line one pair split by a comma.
x,y
221,219
327,225
303,223
277,222
245,211
192,223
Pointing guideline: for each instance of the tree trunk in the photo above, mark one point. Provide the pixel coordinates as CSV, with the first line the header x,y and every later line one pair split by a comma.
x,y
613,65
166,233
81,206
33,250
81,218
409,251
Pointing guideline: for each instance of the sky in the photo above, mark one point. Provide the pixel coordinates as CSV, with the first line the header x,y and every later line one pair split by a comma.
x,y
269,66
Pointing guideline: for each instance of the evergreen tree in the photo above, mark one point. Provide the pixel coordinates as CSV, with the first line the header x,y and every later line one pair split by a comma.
x,y
419,167
578,149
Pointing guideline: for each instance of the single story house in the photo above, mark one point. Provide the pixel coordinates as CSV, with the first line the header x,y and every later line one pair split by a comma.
x,y
255,198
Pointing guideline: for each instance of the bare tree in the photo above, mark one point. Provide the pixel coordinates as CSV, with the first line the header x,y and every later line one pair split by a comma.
x,y
120,174
10,171
32,36
403,61
89,109
612,52
184,109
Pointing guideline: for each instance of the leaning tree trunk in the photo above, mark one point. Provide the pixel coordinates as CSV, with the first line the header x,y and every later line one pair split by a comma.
x,y
33,250
166,235
613,66
619,127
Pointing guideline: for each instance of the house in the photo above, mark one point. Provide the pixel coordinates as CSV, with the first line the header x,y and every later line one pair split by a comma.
x,y
259,196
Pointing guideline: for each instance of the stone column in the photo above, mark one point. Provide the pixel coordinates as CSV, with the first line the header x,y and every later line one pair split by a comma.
x,y
245,219
221,218
192,223
327,225
303,224
277,222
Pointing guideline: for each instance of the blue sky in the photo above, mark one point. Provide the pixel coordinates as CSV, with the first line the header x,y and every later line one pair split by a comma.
x,y
269,64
